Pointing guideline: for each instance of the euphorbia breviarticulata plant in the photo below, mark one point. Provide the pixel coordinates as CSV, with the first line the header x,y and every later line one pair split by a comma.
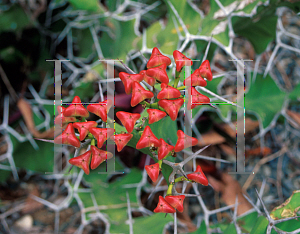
x,y
159,104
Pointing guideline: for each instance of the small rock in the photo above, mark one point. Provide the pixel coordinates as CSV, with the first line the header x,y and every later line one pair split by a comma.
x,y
26,222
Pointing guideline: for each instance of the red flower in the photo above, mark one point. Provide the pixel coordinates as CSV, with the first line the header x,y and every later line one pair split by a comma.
x,y
163,206
152,171
68,137
184,141
128,80
197,99
148,139
155,115
100,109
139,94
159,73
205,70
76,109
101,134
168,92
83,128
198,176
150,80
171,106
158,59
128,119
176,202
121,140
195,79
82,161
99,156
61,118
181,60
164,149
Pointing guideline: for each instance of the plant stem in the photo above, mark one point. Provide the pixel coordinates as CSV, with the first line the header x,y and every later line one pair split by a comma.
x,y
159,163
181,88
177,76
169,191
181,178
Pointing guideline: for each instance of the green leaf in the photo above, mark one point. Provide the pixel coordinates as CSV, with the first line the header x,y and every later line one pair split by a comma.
x,y
289,226
287,209
259,33
154,223
265,99
14,19
246,222
25,156
201,229
88,5
260,226
230,230
84,90
165,128
120,39
295,94
84,41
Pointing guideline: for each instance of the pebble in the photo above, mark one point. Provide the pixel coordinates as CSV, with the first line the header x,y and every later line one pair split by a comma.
x,y
26,222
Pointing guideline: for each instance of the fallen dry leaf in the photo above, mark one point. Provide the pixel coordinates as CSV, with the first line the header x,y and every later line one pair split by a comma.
x,y
32,205
211,137
26,111
258,151
295,116
250,125
229,189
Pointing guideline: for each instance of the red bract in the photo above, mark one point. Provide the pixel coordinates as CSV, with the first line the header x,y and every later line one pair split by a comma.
x,y
76,109
121,140
83,128
163,206
61,118
195,79
148,139
139,94
168,92
155,115
197,99
128,80
205,70
159,73
128,119
82,161
101,134
184,141
198,176
99,156
164,149
176,202
68,137
181,60
153,171
100,109
158,59
150,80
171,106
